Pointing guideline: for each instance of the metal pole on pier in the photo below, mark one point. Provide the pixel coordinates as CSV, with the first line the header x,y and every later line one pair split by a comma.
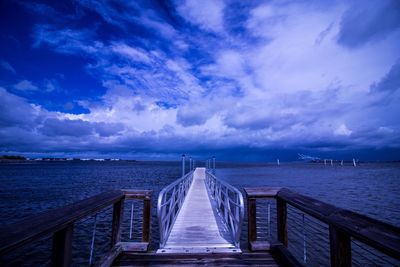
x,y
304,241
183,165
278,162
331,162
354,162
213,165
341,163
190,163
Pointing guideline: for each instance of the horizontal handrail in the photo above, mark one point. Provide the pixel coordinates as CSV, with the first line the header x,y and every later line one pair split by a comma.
x,y
137,193
37,226
169,202
227,196
343,223
60,221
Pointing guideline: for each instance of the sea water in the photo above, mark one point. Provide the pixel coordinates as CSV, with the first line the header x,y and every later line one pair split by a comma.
x,y
27,188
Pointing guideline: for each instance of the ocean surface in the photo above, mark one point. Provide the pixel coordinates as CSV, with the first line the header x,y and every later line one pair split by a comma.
x,y
27,188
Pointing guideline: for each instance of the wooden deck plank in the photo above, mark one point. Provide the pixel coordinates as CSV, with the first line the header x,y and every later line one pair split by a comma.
x,y
198,224
220,259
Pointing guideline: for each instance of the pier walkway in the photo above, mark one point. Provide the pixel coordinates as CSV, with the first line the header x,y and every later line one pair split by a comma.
x,y
198,226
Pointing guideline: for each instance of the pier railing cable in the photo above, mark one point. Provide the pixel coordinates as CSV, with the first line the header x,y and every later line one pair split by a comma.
x,y
311,231
170,200
59,223
230,205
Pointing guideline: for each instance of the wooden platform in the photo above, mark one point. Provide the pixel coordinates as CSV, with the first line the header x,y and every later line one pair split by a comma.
x,y
220,259
198,227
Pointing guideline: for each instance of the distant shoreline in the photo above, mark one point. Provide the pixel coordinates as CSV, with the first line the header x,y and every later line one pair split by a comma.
x,y
269,163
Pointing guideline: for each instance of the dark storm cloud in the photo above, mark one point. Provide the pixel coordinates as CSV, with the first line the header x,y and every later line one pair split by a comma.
x,y
391,81
192,115
79,128
367,21
15,111
56,127
108,129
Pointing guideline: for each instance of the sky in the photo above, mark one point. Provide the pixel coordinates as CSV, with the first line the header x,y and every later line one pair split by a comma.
x,y
241,80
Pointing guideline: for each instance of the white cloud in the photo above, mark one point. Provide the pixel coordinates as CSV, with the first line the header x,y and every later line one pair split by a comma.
x,y
66,40
25,85
5,65
51,85
343,130
208,14
131,52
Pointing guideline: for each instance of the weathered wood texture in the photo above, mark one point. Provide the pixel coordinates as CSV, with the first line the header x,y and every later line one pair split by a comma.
x,y
261,192
34,227
146,220
118,211
260,245
340,246
252,227
343,224
62,247
220,259
382,236
281,210
108,259
137,194
60,221
284,257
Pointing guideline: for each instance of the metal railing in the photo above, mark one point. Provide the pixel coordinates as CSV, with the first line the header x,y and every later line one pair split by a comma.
x,y
316,233
170,201
230,205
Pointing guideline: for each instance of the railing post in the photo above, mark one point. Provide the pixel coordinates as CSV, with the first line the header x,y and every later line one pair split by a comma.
x,y
214,165
281,209
118,210
146,219
62,247
252,227
340,246
183,165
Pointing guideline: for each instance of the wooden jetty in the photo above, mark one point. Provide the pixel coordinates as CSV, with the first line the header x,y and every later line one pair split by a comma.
x,y
200,220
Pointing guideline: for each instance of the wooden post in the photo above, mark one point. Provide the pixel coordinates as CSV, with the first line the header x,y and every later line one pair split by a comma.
x,y
252,228
62,247
340,246
281,209
146,220
116,222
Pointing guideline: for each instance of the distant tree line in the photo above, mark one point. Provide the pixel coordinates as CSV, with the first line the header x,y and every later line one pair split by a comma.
x,y
12,157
